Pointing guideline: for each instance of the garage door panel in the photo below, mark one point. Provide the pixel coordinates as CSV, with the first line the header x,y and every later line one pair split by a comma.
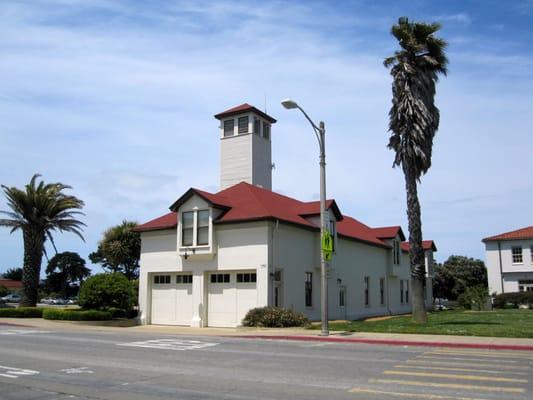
x,y
171,301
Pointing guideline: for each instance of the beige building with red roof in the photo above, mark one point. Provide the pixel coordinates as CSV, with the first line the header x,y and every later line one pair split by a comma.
x,y
215,256
509,261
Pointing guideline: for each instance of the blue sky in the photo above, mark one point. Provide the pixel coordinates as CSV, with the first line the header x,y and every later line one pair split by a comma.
x,y
117,98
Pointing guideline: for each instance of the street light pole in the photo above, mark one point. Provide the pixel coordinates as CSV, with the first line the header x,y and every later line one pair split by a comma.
x,y
320,132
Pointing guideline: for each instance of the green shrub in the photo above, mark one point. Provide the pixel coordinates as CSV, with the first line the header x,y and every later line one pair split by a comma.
x,y
76,315
274,317
513,299
3,291
104,291
22,312
121,313
474,298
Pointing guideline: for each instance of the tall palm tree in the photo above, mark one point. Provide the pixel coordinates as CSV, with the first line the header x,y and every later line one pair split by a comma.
x,y
414,120
38,211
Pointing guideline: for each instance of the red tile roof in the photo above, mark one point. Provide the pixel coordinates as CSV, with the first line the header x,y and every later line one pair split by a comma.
x,y
10,284
245,202
523,233
389,232
426,245
245,107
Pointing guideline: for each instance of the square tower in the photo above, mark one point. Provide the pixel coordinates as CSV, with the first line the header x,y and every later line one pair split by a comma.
x,y
245,147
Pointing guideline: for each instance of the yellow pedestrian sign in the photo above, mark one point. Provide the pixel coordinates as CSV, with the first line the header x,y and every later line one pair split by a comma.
x,y
327,245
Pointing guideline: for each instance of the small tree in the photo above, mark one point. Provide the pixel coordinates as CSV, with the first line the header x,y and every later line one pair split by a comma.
x,y
65,271
474,298
13,274
103,291
119,250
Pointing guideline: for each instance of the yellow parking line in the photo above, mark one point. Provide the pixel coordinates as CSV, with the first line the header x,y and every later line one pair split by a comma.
x,y
450,385
456,376
427,396
506,367
496,352
435,357
462,353
486,371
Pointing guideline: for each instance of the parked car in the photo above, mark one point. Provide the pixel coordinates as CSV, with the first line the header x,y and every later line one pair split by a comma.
x,y
47,300
12,298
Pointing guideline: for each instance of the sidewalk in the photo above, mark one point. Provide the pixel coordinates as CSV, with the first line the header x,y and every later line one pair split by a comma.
x,y
299,334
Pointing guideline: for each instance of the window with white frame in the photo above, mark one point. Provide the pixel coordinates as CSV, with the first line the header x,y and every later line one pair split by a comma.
x,y
195,228
333,232
220,278
407,291
266,130
161,279
382,291
229,126
246,277
531,253
517,254
184,279
342,296
367,290
525,285
396,252
243,124
401,291
257,126
309,289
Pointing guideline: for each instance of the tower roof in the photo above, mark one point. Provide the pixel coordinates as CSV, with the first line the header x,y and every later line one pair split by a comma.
x,y
243,108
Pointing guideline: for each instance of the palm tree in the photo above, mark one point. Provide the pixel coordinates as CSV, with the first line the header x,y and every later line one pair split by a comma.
x,y
414,120
38,211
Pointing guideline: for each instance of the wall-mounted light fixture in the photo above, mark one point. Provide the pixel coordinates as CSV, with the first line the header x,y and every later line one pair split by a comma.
x,y
186,255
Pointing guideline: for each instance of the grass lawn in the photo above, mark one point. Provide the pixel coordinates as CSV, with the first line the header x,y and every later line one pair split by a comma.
x,y
500,323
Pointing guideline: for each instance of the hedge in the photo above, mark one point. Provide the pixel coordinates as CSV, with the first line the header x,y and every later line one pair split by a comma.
x,y
76,315
104,291
513,299
22,312
274,317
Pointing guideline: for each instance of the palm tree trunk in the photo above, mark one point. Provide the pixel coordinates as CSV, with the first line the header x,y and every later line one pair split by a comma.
x,y
416,253
33,254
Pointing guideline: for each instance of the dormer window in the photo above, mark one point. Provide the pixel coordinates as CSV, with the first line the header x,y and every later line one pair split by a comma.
x,y
243,124
229,125
396,252
195,228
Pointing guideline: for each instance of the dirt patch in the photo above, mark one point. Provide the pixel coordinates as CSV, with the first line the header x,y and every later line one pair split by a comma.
x,y
379,318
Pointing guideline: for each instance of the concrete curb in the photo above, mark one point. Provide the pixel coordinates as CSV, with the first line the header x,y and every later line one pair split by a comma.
x,y
392,342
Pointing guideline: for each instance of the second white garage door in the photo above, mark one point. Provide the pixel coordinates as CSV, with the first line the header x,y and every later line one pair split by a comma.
x,y
229,297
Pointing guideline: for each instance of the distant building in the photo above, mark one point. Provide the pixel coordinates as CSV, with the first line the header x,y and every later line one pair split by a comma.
x,y
509,261
215,256
10,284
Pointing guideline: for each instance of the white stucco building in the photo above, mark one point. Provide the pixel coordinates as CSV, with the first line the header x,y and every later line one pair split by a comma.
x,y
214,256
509,261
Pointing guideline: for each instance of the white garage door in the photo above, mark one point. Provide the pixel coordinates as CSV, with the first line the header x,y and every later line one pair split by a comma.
x,y
172,299
229,297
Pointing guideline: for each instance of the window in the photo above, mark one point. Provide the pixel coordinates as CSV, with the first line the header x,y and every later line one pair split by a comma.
x,y
257,126
161,279
382,290
531,253
342,296
243,125
331,228
187,228
184,278
401,291
266,130
517,255
195,231
202,229
228,127
247,277
367,294
525,285
407,291
220,278
396,252
309,289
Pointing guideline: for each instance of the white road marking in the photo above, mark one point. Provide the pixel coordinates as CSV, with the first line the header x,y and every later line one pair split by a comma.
x,y
10,372
79,370
170,344
20,331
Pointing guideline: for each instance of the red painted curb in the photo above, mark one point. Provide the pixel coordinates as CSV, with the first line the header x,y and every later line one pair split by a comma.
x,y
12,324
391,342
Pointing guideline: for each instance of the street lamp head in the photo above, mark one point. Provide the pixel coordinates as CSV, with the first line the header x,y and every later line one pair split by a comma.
x,y
289,104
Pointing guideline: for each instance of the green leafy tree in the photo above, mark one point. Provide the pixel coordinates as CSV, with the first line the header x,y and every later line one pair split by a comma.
x,y
3,291
65,271
13,273
414,120
104,291
457,274
39,210
119,250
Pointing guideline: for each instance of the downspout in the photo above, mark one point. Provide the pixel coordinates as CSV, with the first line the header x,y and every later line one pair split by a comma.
x,y
501,269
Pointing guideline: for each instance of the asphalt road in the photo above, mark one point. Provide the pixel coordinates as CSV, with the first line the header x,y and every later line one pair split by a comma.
x,y
121,364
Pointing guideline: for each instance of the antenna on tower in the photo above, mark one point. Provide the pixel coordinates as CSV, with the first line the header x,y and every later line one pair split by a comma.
x,y
266,104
